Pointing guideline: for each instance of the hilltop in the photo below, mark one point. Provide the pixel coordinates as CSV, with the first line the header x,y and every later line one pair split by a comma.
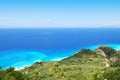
x,y
99,64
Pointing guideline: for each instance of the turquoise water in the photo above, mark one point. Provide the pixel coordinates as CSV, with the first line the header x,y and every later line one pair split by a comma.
x,y
21,58
23,47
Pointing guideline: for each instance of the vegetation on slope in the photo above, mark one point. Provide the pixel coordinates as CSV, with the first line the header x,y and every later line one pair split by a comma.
x,y
11,74
83,65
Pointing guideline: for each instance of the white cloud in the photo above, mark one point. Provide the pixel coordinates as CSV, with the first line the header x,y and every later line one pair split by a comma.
x,y
116,23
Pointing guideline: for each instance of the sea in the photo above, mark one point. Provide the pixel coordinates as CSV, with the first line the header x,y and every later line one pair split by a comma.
x,y
21,47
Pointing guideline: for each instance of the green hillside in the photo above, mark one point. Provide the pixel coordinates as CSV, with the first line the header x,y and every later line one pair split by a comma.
x,y
101,64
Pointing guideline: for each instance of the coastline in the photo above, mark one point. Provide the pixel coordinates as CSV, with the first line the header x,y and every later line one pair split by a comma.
x,y
27,59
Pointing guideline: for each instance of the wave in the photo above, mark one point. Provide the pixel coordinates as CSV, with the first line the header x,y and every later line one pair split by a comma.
x,y
58,58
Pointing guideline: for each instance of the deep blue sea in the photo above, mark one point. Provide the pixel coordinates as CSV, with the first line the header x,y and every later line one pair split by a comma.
x,y
23,47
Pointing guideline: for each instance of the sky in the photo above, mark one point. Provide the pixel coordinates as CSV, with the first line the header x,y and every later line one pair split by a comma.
x,y
59,13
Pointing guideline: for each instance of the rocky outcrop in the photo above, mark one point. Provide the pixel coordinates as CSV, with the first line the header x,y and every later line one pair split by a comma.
x,y
105,51
109,55
114,59
101,52
107,63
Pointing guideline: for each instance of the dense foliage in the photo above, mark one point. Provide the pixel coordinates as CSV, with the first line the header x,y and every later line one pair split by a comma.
x,y
10,74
